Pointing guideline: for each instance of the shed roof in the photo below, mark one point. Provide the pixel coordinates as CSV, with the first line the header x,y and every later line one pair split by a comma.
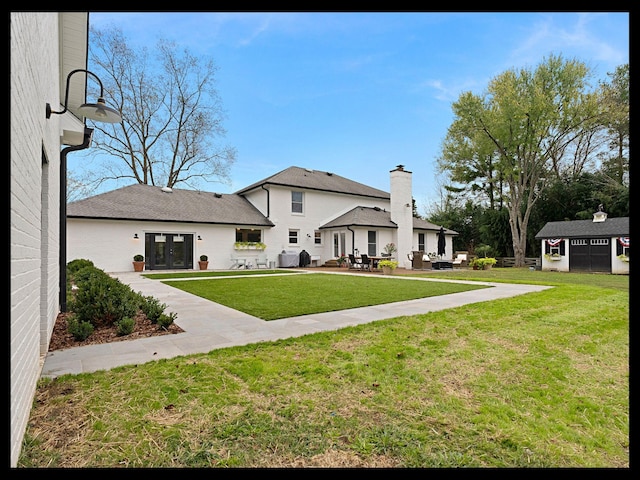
x,y
611,227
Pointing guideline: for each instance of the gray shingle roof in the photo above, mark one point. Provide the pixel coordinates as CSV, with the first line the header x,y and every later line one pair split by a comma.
x,y
146,202
611,227
419,224
379,218
362,217
317,180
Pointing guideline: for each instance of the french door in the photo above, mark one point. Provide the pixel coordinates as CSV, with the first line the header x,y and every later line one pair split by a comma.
x,y
168,251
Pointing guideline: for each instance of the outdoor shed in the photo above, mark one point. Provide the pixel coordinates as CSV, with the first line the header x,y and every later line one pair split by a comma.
x,y
598,245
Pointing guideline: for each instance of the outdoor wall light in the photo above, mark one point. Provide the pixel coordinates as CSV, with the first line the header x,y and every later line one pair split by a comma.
x,y
199,237
135,236
98,112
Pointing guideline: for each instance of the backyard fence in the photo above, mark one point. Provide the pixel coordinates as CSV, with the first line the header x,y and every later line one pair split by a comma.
x,y
511,261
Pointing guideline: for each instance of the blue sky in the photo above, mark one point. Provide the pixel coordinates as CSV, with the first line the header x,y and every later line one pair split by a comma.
x,y
357,93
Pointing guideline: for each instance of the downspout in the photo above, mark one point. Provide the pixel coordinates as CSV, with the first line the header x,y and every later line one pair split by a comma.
x,y
268,199
353,240
88,134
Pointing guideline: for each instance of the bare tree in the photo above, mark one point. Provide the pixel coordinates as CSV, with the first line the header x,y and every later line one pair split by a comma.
x,y
172,116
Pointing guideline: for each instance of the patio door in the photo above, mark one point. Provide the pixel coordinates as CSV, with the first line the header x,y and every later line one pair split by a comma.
x,y
169,251
339,244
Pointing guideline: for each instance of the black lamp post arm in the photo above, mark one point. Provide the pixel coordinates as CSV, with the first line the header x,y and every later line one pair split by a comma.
x,y
66,94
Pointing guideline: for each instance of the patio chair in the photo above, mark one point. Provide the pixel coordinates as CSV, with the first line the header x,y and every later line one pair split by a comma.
x,y
366,261
262,260
237,263
353,263
460,261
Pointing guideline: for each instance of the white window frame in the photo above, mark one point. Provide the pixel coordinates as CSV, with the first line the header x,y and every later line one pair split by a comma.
x,y
297,202
372,247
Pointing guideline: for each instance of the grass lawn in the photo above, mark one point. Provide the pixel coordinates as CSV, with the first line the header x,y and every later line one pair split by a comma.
x,y
274,297
535,381
216,273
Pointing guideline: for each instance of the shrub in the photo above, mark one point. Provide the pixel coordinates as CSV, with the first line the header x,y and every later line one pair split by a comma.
x,y
79,330
203,258
78,264
388,263
138,258
125,326
80,271
99,299
480,262
166,319
87,274
483,250
103,299
152,308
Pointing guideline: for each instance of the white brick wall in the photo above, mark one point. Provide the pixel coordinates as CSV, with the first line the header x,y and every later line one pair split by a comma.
x,y
34,206
402,213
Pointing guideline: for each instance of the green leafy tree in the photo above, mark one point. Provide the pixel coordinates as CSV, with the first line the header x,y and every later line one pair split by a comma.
x,y
524,124
463,216
471,158
615,100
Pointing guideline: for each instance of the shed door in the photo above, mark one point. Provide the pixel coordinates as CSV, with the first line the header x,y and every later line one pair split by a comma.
x,y
590,255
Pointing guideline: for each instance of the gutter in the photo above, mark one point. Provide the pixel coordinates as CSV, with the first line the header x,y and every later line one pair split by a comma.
x,y
353,240
88,135
268,200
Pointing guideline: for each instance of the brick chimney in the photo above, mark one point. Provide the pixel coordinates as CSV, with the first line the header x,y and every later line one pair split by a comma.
x,y
402,212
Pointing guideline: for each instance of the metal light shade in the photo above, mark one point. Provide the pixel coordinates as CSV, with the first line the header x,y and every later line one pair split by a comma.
x,y
99,112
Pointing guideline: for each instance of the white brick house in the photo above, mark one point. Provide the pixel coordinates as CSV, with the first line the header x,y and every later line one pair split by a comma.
x,y
296,209
45,47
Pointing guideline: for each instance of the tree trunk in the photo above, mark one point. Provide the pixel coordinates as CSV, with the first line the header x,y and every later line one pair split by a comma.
x,y
518,234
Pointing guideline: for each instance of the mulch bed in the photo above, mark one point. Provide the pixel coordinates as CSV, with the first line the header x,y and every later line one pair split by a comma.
x,y
61,338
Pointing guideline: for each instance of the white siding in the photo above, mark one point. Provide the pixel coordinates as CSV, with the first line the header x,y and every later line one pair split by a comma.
x,y
618,266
